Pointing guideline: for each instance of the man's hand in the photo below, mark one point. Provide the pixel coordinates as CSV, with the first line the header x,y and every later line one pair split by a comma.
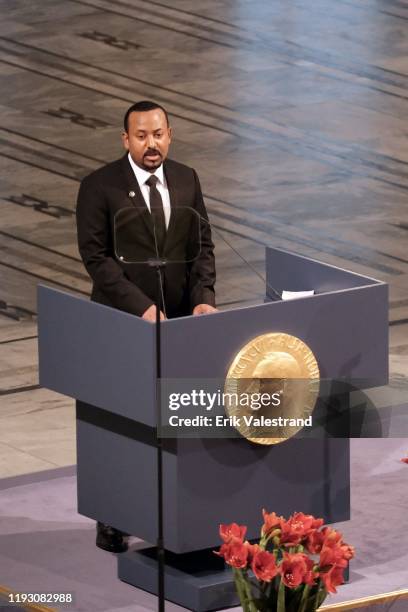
x,y
150,314
201,309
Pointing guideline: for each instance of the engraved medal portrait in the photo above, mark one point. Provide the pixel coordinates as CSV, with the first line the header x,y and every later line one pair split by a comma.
x,y
278,375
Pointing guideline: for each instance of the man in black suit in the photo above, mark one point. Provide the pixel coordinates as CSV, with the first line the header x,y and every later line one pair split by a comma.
x,y
145,179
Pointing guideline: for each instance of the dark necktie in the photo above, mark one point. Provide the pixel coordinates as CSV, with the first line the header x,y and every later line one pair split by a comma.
x,y
156,209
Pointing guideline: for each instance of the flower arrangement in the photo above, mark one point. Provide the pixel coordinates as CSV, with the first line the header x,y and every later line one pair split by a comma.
x,y
292,568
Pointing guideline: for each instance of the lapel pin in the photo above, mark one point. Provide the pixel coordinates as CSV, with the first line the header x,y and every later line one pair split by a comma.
x,y
131,194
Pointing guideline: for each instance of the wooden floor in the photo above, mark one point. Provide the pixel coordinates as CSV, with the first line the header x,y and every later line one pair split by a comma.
x,y
294,114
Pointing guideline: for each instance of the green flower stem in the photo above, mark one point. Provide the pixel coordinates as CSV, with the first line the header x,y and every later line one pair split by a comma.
x,y
281,597
320,596
251,607
304,599
239,586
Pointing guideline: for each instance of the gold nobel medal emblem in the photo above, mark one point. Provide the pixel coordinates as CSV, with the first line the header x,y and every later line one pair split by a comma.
x,y
271,388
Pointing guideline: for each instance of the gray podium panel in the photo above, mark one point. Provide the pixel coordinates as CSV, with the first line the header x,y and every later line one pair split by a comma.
x,y
96,354
347,332
222,480
196,581
232,480
117,480
292,272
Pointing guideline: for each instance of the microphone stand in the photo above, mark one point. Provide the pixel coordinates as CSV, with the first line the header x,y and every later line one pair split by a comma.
x,y
158,264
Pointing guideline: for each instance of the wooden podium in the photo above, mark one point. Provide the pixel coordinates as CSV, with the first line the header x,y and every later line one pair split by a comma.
x,y
105,359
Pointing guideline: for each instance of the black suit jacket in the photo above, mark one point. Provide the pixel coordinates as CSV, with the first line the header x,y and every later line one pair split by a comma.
x,y
133,287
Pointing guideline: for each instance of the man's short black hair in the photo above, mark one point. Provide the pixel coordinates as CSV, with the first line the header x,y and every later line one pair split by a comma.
x,y
143,107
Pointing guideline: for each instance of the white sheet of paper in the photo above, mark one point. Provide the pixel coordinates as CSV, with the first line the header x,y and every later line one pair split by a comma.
x,y
292,295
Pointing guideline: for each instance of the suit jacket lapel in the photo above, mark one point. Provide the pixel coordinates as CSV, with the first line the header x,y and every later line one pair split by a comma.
x,y
171,181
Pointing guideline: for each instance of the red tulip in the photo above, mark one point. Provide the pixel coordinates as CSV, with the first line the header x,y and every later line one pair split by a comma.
x,y
237,555
232,532
331,555
348,551
332,537
314,542
295,569
264,566
334,550
298,527
253,549
332,578
306,522
271,522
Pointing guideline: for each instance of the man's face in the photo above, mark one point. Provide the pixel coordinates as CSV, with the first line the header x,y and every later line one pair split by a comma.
x,y
148,138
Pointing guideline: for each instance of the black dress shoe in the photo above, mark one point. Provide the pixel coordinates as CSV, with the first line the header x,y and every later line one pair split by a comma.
x,y
110,539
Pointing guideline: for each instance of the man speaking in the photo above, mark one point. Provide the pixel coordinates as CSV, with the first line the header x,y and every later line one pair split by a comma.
x,y
146,179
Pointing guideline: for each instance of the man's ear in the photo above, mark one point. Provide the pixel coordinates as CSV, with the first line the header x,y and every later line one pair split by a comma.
x,y
170,133
125,140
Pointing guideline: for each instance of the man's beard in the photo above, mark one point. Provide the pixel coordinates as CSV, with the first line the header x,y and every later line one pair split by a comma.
x,y
152,165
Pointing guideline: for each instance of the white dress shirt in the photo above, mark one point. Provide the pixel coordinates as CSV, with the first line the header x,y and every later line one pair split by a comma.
x,y
142,176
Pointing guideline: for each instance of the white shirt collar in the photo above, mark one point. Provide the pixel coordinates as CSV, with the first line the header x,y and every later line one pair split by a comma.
x,y
143,175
